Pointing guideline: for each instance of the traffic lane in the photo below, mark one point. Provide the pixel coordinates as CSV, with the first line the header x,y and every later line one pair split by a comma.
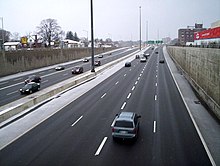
x,y
44,138
177,137
142,102
18,80
10,94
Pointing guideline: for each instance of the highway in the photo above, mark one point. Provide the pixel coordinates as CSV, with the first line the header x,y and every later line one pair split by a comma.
x,y
80,133
9,89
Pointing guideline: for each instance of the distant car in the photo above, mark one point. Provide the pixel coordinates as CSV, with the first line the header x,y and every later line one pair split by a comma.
x,y
143,59
77,70
126,125
152,48
161,61
146,55
137,56
127,64
156,52
33,78
97,63
30,88
86,60
100,56
59,68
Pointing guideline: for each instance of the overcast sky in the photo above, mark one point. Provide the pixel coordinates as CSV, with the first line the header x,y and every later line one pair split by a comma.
x,y
117,19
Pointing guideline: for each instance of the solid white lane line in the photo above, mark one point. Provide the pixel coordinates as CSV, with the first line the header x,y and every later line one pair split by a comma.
x,y
101,146
12,93
123,106
17,79
3,83
116,83
155,125
133,88
129,95
103,95
44,81
155,97
77,121
136,82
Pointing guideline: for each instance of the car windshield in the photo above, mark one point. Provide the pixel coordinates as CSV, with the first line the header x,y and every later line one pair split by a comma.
x,y
125,124
28,86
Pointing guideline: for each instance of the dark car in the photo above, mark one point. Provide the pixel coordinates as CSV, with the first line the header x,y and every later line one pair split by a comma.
x,y
128,64
77,70
161,61
137,56
59,68
126,125
156,52
30,88
97,63
33,78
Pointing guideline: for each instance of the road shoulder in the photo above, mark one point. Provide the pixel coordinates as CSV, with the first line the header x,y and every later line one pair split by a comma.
x,y
207,127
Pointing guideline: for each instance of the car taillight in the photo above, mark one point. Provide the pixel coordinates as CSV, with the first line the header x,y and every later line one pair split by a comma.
x,y
113,129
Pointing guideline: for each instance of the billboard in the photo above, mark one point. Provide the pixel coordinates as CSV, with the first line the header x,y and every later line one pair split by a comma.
x,y
207,34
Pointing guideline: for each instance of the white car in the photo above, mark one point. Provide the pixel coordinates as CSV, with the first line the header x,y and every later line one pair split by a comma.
x,y
143,59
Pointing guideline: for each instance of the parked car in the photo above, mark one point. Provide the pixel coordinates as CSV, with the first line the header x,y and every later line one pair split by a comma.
x,y
161,61
100,56
143,59
97,63
127,64
33,78
77,70
86,60
156,52
61,67
30,88
126,125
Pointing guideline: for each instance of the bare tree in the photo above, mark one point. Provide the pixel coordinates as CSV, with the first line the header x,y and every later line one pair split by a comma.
x,y
15,36
49,30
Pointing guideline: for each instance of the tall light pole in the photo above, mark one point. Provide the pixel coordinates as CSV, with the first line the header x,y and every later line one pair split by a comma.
x,y
146,32
92,40
3,38
140,27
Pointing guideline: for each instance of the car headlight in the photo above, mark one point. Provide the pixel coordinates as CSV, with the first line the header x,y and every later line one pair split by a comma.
x,y
27,90
20,89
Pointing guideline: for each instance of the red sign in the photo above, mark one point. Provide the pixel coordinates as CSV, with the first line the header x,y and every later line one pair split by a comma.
x,y
207,34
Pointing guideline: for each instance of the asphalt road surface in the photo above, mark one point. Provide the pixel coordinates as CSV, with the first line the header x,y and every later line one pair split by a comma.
x,y
9,89
80,133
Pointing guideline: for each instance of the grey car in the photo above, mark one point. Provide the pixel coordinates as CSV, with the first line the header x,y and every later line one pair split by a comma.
x,y
126,125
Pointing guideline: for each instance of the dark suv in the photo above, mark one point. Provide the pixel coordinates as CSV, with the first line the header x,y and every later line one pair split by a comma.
x,y
33,78
125,125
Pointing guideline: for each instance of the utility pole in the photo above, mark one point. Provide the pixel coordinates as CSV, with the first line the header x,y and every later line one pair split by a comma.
x,y
140,27
3,38
92,39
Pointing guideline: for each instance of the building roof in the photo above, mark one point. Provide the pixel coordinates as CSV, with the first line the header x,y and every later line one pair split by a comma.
x,y
11,43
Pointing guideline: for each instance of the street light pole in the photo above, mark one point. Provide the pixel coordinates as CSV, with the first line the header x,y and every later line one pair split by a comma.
x,y
92,40
140,27
3,38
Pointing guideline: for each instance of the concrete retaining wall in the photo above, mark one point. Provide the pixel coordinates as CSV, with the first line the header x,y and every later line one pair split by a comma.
x,y
24,60
201,66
